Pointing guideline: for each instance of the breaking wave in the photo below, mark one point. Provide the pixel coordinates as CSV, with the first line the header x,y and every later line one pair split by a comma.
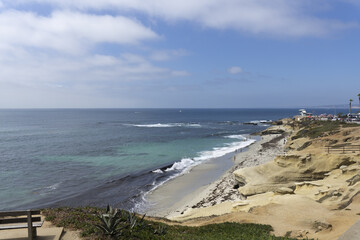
x,y
185,163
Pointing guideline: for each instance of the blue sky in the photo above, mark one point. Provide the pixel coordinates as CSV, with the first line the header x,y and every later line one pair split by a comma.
x,y
165,53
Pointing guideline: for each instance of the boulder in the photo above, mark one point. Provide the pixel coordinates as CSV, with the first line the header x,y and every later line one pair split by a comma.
x,y
284,190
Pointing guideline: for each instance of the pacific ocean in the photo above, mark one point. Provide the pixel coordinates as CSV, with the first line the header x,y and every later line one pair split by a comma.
x,y
53,157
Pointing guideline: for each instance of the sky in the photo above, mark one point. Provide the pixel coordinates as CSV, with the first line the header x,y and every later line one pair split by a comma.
x,y
178,54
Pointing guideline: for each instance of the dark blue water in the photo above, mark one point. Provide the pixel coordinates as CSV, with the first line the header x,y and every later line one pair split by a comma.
x,y
99,156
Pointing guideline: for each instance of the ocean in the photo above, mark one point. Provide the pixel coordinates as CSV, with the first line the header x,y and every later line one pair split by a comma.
x,y
77,157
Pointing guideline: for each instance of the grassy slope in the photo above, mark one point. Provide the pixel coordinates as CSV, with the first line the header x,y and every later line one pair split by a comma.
x,y
314,129
84,219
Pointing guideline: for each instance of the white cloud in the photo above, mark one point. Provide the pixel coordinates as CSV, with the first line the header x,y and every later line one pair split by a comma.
x,y
54,55
52,60
38,69
34,79
164,55
25,68
71,32
275,17
235,70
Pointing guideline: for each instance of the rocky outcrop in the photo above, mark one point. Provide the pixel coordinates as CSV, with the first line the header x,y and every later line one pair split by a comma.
x,y
284,171
272,131
305,192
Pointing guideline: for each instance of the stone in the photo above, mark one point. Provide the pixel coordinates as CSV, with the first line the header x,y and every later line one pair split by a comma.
x,y
343,167
352,181
284,190
320,226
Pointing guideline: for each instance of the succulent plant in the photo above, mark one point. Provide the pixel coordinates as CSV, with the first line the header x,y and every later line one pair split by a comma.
x,y
132,221
117,222
160,230
110,222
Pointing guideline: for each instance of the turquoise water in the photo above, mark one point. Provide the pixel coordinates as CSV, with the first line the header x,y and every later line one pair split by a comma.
x,y
97,156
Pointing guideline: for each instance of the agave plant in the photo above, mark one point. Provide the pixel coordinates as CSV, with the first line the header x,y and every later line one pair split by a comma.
x,y
116,222
160,230
110,222
133,222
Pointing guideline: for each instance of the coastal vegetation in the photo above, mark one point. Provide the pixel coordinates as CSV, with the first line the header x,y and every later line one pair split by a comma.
x,y
125,225
315,129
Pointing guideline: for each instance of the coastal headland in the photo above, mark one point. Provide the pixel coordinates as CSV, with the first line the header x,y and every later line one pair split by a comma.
x,y
290,179
300,180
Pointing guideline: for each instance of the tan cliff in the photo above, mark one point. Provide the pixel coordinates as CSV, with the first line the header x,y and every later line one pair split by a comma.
x,y
305,191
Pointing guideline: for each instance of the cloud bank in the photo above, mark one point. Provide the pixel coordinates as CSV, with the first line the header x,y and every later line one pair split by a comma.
x,y
51,47
69,31
276,17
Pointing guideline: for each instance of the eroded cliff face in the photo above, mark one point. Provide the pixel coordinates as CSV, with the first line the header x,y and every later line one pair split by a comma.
x,y
305,191
308,173
289,169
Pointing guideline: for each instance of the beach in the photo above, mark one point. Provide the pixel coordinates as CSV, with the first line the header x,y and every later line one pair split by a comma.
x,y
211,182
287,180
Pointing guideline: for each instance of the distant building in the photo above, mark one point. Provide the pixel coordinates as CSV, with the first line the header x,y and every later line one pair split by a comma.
x,y
302,112
353,117
303,115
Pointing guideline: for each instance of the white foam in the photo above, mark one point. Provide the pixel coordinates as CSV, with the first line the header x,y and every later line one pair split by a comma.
x,y
157,171
53,187
241,137
221,151
193,125
260,121
186,163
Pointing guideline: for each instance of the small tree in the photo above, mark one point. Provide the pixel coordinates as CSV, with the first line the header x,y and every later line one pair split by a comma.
x,y
359,98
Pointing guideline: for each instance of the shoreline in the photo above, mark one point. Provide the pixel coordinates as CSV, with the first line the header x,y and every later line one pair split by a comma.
x,y
297,186
211,182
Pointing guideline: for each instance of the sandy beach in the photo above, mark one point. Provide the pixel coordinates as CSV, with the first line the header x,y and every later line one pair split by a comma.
x,y
287,180
211,182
